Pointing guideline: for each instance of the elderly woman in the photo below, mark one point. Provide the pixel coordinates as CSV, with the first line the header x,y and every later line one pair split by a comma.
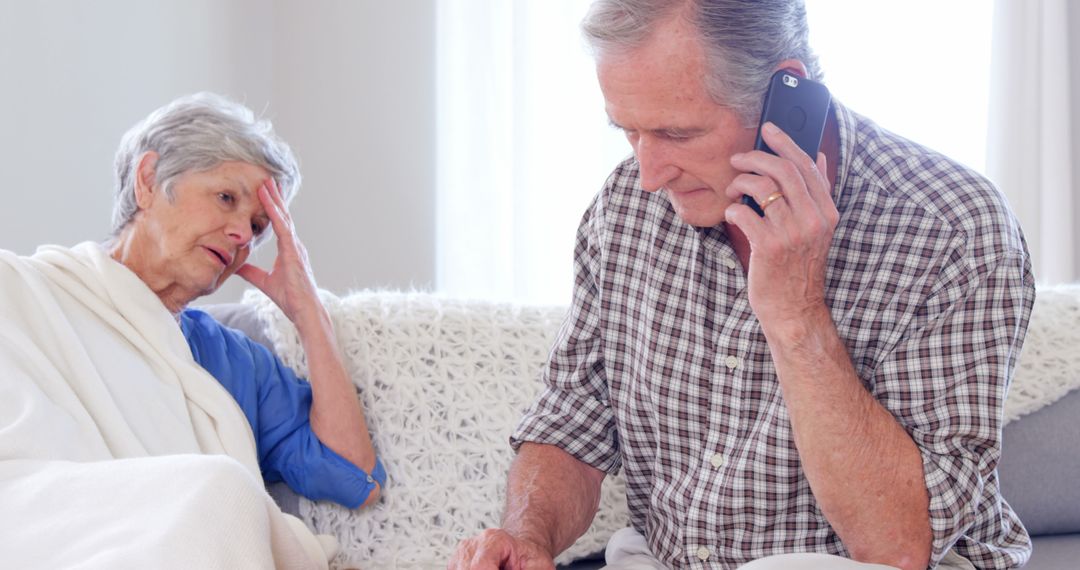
x,y
133,431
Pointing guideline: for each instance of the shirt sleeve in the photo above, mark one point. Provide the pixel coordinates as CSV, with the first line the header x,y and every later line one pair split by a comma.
x,y
277,405
573,411
946,382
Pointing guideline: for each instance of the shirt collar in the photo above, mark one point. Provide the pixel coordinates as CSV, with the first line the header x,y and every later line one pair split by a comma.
x,y
846,126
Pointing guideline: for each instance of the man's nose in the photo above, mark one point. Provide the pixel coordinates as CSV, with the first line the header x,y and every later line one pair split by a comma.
x,y
654,163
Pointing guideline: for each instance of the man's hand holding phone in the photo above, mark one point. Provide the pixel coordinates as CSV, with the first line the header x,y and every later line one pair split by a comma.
x,y
800,108
788,246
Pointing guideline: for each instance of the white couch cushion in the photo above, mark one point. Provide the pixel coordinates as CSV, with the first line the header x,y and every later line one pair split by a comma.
x,y
443,382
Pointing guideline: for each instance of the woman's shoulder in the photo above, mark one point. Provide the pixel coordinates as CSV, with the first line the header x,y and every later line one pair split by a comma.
x,y
206,334
234,316
213,330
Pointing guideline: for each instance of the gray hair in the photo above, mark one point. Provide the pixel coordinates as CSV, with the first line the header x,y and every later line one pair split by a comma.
x,y
197,133
744,40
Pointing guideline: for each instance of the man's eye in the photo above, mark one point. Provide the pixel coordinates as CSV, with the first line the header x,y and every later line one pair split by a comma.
x,y
226,197
256,229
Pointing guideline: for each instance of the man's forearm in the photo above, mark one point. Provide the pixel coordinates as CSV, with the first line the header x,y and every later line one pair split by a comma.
x,y
865,471
551,497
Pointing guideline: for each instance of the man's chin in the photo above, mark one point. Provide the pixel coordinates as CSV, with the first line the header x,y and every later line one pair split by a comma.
x,y
701,219
706,215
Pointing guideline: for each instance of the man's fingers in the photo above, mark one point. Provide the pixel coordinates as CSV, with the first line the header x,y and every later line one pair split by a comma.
x,y
496,549
478,553
797,173
463,556
784,146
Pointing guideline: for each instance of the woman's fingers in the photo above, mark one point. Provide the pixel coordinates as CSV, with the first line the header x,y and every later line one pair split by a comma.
x,y
280,221
254,275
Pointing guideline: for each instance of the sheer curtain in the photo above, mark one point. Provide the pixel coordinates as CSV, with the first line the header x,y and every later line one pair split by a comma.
x,y
1033,138
523,143
926,79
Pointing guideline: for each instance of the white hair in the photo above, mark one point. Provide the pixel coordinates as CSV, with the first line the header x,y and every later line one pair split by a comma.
x,y
744,40
197,133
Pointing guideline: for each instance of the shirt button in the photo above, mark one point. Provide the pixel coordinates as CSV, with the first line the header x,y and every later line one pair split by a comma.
x,y
717,460
729,263
703,553
731,362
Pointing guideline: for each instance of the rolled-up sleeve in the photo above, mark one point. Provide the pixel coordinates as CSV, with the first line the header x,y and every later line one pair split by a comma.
x,y
573,411
277,405
946,382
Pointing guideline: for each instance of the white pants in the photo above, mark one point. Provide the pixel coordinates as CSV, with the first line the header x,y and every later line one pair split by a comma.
x,y
628,550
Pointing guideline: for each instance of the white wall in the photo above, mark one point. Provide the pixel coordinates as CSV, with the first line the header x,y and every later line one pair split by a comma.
x,y
349,84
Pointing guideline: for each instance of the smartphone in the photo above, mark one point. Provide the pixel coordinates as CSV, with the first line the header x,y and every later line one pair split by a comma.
x,y
799,107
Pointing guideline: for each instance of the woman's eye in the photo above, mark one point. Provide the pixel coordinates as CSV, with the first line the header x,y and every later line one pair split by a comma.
x,y
256,229
226,197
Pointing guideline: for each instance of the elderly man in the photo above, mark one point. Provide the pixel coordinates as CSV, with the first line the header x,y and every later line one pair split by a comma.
x,y
826,379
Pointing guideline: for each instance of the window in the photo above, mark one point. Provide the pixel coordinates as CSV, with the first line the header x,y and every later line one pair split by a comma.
x,y
920,68
524,143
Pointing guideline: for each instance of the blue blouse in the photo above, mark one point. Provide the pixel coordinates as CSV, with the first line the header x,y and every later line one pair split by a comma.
x,y
277,404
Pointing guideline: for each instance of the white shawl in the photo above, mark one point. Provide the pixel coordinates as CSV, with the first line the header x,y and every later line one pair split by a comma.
x,y
116,448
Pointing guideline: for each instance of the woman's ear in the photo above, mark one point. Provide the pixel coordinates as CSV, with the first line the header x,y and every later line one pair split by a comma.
x,y
792,66
145,175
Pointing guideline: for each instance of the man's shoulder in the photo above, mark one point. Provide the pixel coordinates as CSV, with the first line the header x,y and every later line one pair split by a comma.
x,y
905,179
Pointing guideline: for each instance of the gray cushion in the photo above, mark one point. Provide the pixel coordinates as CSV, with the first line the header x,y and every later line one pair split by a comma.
x,y
1039,465
241,317
1055,553
287,499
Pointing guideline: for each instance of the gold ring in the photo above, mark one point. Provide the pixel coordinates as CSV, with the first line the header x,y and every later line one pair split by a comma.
x,y
772,198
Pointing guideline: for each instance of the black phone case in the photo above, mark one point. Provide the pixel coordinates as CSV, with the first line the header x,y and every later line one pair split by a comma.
x,y
799,107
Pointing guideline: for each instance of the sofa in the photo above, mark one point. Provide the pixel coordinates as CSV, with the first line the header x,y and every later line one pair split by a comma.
x,y
445,380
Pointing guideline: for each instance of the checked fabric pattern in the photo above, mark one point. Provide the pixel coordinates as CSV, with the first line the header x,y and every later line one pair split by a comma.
x,y
662,369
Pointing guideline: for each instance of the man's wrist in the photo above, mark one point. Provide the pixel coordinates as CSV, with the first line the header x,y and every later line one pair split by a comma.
x,y
804,330
539,540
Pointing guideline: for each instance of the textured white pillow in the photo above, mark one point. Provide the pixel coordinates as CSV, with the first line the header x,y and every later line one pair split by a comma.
x,y
1048,364
443,382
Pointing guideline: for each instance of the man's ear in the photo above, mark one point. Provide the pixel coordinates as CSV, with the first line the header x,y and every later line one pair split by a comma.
x,y
792,66
145,180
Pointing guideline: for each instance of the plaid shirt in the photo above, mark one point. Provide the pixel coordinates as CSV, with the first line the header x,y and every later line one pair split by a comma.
x,y
662,368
